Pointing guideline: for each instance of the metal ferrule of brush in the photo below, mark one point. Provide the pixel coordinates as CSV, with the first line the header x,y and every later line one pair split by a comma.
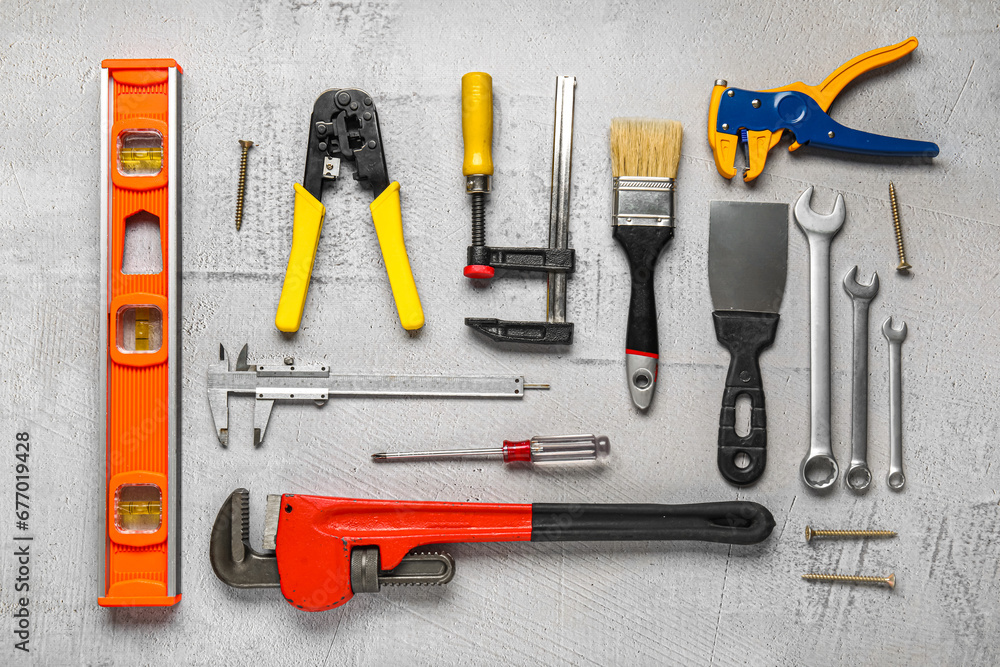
x,y
642,200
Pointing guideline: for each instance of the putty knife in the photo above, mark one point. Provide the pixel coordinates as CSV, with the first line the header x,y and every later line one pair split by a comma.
x,y
747,261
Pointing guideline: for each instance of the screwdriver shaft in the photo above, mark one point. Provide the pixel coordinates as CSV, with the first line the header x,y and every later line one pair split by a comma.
x,y
449,453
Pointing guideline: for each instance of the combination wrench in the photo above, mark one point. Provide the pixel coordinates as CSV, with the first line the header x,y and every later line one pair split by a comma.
x,y
859,476
819,468
895,478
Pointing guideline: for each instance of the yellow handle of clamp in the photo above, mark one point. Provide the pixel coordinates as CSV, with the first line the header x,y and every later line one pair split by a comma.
x,y
388,218
306,228
477,123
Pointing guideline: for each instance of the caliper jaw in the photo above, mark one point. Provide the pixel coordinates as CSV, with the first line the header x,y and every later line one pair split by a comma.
x,y
218,393
223,380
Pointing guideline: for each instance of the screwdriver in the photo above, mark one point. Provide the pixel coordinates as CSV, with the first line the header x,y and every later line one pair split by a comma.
x,y
540,449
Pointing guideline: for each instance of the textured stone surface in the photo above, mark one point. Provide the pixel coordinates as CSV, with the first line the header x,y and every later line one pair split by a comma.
x,y
252,70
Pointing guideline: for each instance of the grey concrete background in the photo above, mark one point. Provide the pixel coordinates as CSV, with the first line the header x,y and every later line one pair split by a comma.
x,y
253,70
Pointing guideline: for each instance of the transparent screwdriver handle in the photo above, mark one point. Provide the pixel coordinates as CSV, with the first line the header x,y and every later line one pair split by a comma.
x,y
557,449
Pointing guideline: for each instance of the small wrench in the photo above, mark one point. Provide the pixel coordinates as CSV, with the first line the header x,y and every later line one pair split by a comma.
x,y
895,478
819,468
859,476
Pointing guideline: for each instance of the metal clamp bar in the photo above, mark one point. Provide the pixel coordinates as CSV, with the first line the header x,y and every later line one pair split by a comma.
x,y
562,167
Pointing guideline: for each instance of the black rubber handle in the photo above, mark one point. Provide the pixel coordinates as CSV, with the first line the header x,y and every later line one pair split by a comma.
x,y
643,245
745,335
733,522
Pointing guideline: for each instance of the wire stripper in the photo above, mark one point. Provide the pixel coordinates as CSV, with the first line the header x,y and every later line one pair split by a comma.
x,y
757,119
322,551
344,126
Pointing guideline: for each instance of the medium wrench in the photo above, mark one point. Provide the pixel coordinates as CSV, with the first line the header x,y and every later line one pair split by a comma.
x,y
859,476
819,468
895,478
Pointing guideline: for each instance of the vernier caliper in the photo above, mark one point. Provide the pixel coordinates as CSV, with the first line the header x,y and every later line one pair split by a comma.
x,y
289,381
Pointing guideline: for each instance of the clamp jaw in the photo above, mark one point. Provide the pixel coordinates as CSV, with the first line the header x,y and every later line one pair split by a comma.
x,y
757,119
344,126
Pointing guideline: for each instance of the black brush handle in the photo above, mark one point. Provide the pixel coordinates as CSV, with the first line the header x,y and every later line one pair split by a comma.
x,y
643,245
732,522
745,335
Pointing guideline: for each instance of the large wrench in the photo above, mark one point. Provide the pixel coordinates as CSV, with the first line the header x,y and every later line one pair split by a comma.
x,y
859,476
895,478
819,468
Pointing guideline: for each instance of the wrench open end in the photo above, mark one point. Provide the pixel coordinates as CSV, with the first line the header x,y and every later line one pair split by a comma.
x,y
892,334
812,222
858,290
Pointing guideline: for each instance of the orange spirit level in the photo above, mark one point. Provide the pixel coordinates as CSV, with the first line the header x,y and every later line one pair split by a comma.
x,y
140,342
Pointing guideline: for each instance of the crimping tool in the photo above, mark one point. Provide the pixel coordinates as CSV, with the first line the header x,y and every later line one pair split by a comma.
x,y
757,119
344,126
321,551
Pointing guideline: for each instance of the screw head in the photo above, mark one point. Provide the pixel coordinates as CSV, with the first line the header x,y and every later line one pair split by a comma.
x,y
755,104
730,93
809,533
725,126
903,266
245,144
890,581
830,134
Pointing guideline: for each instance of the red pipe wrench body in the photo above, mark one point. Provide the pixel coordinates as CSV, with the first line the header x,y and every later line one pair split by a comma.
x,y
316,535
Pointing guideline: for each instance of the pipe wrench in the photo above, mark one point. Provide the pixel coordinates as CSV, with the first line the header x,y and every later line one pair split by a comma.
x,y
344,126
322,551
757,119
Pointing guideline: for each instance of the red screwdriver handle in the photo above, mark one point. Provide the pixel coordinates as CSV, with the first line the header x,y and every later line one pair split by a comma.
x,y
517,451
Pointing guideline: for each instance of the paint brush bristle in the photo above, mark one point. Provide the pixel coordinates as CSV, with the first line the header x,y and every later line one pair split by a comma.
x,y
645,147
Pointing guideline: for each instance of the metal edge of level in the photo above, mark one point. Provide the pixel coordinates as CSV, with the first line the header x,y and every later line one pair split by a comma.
x,y
174,346
103,326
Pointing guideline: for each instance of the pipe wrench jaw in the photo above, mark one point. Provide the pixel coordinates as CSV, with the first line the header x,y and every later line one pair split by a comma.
x,y
235,562
315,578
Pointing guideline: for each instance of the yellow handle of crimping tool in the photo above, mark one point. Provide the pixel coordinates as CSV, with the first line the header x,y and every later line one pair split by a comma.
x,y
306,227
477,123
388,218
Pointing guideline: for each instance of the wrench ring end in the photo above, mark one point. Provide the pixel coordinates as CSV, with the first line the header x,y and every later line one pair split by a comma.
x,y
858,478
896,480
819,471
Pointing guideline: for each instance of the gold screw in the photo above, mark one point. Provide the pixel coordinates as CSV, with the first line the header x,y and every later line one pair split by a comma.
x,y
243,182
903,265
888,582
847,534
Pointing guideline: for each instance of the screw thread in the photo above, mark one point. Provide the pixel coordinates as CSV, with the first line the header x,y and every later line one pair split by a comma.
x,y
241,186
889,581
896,226
854,533
478,219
